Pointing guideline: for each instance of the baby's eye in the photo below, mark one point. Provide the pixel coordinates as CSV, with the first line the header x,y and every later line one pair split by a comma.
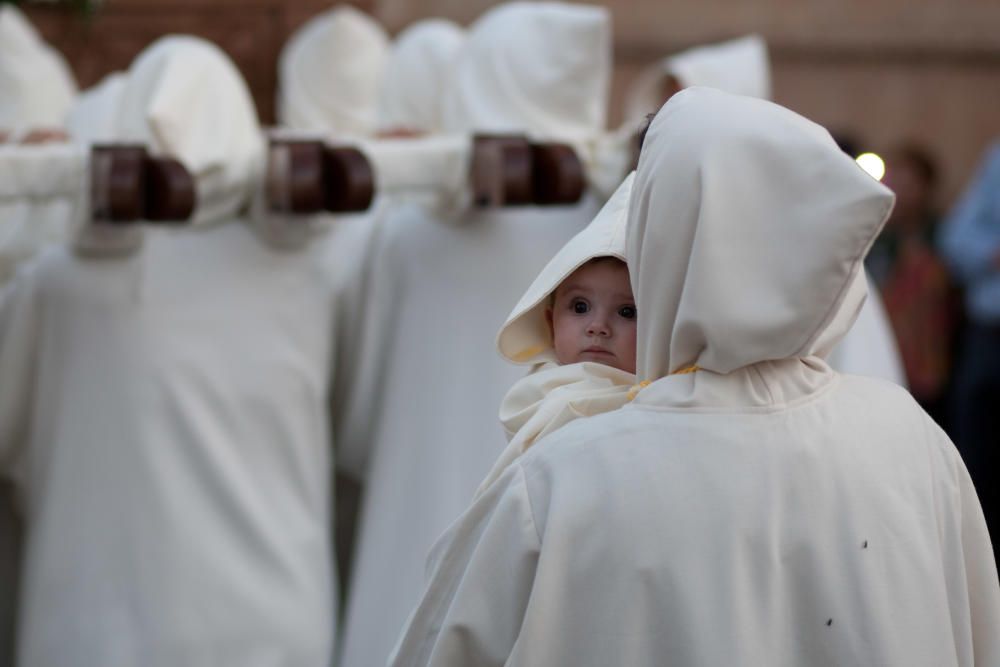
x,y
579,306
628,312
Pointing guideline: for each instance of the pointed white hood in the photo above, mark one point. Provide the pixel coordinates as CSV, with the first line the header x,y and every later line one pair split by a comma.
x,y
416,74
184,98
541,68
739,66
525,337
329,74
36,86
746,233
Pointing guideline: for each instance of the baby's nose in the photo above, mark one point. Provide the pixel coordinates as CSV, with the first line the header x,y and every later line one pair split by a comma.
x,y
598,327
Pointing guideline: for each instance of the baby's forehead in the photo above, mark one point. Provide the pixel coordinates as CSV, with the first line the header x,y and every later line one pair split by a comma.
x,y
601,273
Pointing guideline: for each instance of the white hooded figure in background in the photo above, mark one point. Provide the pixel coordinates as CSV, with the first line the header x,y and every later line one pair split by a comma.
x,y
164,414
751,506
37,87
329,73
741,67
424,431
416,73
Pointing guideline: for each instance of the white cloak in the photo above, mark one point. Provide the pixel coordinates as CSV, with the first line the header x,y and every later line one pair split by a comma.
x,y
751,506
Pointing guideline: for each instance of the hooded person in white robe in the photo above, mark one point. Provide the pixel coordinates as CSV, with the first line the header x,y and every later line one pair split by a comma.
x,y
165,414
423,432
741,67
37,87
329,73
416,72
751,506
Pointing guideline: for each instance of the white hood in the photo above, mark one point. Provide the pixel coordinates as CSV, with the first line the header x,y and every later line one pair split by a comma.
x,y
525,337
92,118
416,74
37,86
541,68
739,66
329,74
184,98
760,255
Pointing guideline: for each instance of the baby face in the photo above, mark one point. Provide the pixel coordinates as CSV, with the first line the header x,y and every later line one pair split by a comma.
x,y
593,316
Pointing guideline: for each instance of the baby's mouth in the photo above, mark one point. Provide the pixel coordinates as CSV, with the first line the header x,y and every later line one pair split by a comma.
x,y
598,351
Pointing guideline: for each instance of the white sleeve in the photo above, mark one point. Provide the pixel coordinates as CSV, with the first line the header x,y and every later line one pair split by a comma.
x,y
472,610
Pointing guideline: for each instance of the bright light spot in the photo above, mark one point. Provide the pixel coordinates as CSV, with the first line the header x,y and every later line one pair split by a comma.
x,y
873,164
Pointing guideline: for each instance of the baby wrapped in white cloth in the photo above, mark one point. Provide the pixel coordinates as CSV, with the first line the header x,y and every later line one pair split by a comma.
x,y
576,324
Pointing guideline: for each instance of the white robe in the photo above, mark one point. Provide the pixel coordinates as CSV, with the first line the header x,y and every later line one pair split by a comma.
x,y
751,506
768,540
424,431
173,451
165,414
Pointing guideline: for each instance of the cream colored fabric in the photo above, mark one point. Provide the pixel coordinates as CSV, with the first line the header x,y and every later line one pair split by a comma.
x,y
329,73
551,395
36,85
184,98
165,418
416,75
773,514
739,66
92,118
422,420
541,68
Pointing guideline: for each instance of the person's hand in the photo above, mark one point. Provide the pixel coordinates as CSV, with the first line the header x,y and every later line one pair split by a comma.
x,y
44,135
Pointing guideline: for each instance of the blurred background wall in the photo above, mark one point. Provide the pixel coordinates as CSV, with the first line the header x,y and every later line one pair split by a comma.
x,y
882,71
